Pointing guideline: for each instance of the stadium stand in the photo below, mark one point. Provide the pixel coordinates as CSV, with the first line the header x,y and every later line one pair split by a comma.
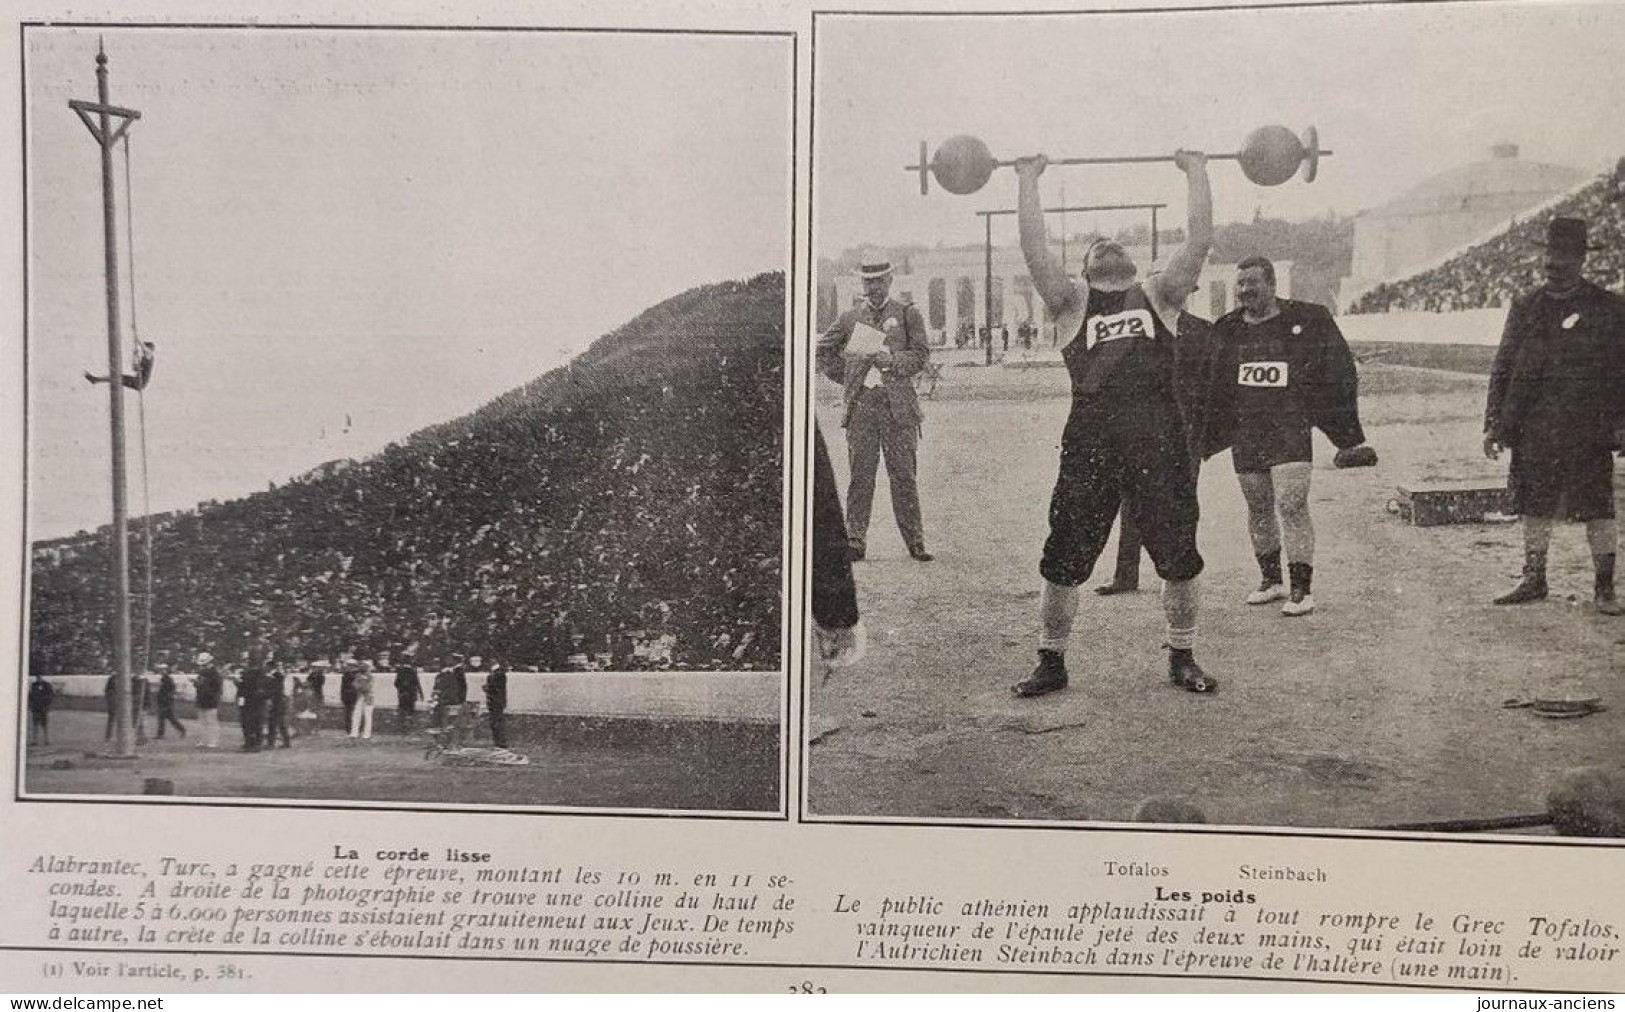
x,y
632,495
1490,274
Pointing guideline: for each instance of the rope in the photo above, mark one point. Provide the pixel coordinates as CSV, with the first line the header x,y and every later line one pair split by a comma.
x,y
141,410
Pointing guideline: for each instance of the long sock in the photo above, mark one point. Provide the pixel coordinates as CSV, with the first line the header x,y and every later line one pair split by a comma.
x,y
1269,565
1537,534
1057,607
1303,575
1179,605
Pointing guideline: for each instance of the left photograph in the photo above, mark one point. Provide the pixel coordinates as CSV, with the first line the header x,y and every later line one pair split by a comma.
x,y
406,417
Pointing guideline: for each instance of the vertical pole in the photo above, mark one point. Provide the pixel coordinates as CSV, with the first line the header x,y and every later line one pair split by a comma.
x,y
115,388
987,300
1153,235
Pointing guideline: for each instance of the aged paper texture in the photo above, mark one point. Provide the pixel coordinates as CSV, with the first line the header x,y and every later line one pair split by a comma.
x,y
500,534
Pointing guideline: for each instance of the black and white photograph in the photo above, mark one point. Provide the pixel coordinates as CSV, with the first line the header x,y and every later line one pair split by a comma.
x,y
406,415
1249,390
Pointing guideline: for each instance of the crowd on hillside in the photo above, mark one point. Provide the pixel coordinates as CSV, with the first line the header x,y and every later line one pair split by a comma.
x,y
634,496
1492,273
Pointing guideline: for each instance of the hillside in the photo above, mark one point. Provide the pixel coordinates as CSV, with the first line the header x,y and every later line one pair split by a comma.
x,y
637,488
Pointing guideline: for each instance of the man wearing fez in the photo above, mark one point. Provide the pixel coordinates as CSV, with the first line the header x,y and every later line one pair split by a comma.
x,y
874,351
1557,401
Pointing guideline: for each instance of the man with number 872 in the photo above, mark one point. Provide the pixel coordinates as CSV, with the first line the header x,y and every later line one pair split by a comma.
x,y
1127,440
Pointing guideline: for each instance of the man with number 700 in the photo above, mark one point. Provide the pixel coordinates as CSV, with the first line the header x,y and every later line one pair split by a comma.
x,y
1280,369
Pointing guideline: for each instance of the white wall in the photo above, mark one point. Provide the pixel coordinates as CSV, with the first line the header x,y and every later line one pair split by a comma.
x,y
734,696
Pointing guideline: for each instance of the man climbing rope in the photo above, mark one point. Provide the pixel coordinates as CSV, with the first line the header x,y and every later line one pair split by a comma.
x,y
144,352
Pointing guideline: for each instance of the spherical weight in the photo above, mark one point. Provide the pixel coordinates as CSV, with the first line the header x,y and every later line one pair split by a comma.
x,y
1270,155
962,164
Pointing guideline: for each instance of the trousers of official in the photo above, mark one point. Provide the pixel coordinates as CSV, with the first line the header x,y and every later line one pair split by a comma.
x,y
874,431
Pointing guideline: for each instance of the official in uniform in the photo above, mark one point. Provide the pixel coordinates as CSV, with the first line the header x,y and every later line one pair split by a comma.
x,y
1281,369
1557,401
882,412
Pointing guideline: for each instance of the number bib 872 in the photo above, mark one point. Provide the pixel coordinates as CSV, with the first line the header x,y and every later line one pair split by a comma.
x,y
1129,323
1263,374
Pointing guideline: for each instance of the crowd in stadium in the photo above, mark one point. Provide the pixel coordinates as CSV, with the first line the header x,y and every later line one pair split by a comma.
x,y
634,496
1492,273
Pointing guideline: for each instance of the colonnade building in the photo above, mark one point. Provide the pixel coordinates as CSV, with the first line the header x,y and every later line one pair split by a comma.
x,y
948,285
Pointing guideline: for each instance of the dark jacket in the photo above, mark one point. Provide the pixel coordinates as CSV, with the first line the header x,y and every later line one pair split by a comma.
x,y
407,686
40,695
253,685
1582,366
166,692
451,686
496,689
208,684
1324,381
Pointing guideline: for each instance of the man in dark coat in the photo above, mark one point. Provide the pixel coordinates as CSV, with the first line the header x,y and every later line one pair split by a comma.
x,y
41,694
1280,369
276,705
1557,400
496,703
207,685
347,691
450,693
166,702
408,690
251,693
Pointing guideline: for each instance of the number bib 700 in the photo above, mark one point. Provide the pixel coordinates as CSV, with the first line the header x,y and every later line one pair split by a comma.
x,y
1129,323
1263,374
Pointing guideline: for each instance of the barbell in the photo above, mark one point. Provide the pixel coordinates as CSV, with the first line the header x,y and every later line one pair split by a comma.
x,y
1269,156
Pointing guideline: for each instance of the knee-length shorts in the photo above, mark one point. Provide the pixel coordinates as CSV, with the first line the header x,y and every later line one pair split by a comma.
x,y
1153,476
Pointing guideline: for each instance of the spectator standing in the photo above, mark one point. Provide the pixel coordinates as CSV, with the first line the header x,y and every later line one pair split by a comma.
x,y
347,692
41,694
276,706
361,719
882,411
251,700
316,681
1557,400
166,702
496,703
408,690
207,685
450,693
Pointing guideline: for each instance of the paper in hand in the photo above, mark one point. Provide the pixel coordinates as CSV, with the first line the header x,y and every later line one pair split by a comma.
x,y
865,341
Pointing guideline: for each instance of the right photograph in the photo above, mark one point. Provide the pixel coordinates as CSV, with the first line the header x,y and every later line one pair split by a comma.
x,y
1219,419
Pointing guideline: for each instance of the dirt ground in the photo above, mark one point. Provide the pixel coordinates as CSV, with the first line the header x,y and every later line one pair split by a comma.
x,y
1382,707
716,768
